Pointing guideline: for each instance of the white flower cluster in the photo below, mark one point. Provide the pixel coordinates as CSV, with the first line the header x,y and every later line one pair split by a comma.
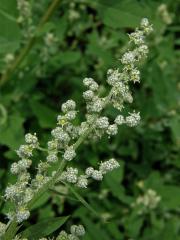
x,y
81,181
63,134
77,231
21,192
25,151
94,103
148,201
67,136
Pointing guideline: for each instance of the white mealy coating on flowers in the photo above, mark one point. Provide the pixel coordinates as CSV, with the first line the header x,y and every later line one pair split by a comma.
x,y
113,76
147,28
59,134
20,166
135,75
109,165
82,181
142,50
52,145
25,151
112,129
11,191
128,58
83,128
90,118
91,84
102,122
89,171
31,139
77,230
97,105
24,178
97,175
137,37
88,81
28,195
52,157
94,86
123,89
69,105
72,130
42,167
69,153
72,237
119,120
71,115
62,236
22,214
61,120
88,95
133,120
71,175
39,181
23,191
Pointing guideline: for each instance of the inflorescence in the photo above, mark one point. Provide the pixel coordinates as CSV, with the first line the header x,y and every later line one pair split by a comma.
x,y
67,136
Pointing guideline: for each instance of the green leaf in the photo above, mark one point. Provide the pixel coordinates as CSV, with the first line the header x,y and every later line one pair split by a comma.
x,y
41,201
94,231
45,115
43,228
47,27
66,58
118,14
9,29
82,200
12,132
170,196
175,128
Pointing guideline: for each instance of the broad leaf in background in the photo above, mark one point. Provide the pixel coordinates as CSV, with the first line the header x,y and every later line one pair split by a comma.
x,y
9,30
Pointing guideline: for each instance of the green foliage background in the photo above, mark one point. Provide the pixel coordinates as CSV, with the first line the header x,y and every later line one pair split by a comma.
x,y
149,154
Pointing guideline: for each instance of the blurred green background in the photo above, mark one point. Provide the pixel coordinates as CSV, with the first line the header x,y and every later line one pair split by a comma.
x,y
90,38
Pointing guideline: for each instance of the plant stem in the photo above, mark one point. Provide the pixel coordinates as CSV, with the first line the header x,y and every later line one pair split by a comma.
x,y
24,51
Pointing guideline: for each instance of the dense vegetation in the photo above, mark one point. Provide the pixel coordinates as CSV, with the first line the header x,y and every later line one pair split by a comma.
x,y
83,38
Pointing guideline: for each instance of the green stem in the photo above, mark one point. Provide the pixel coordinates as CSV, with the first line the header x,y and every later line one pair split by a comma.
x,y
23,53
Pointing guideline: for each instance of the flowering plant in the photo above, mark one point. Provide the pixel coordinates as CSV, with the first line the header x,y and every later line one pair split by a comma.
x,y
67,136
